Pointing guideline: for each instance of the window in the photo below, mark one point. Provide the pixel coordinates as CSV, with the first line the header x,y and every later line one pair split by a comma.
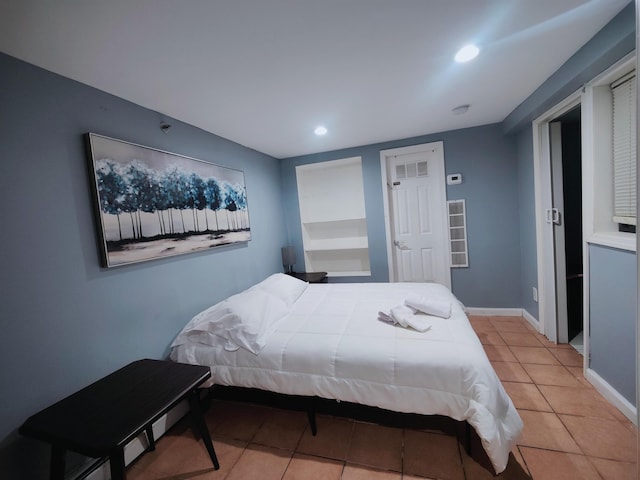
x,y
608,163
624,151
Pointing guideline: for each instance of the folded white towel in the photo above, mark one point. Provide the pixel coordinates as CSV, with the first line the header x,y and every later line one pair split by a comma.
x,y
402,315
405,317
385,317
419,323
440,307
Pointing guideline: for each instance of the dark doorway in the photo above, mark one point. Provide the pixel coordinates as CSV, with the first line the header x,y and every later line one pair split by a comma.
x,y
572,196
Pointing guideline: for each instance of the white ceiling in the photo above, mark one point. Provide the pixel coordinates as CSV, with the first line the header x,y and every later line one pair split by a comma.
x,y
265,73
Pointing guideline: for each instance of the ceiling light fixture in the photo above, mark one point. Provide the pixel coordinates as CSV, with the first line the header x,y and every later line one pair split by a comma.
x,y
320,131
460,109
466,53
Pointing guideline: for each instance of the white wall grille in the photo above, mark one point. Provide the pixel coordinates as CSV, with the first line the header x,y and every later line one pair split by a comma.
x,y
458,233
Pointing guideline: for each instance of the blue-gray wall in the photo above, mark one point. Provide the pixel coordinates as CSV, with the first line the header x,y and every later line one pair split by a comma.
x,y
65,321
527,222
613,290
487,160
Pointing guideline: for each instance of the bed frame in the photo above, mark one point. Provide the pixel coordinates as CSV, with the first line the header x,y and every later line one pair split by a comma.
x,y
314,405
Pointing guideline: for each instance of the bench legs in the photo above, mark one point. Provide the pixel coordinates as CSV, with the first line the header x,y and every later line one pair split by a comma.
x,y
57,465
150,439
201,426
116,462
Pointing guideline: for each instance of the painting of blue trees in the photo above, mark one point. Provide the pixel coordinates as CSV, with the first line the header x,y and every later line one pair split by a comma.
x,y
154,204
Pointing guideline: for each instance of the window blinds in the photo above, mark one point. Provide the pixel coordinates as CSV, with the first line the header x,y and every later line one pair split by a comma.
x,y
624,149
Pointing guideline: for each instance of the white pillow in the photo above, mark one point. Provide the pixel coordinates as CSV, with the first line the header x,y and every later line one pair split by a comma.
x,y
243,320
283,286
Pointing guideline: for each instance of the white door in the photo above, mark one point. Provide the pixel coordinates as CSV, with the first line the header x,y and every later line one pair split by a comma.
x,y
557,226
417,212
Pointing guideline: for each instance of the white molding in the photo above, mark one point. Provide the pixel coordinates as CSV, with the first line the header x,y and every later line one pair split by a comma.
x,y
619,240
494,312
612,395
533,321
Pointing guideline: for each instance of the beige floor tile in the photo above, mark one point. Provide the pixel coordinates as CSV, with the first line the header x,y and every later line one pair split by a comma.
x,y
511,372
499,353
475,471
307,467
332,440
612,470
376,446
239,420
179,452
260,463
577,372
360,472
549,465
576,401
549,344
568,357
281,429
490,338
509,324
481,324
526,396
545,430
432,455
537,355
517,455
520,339
551,375
602,438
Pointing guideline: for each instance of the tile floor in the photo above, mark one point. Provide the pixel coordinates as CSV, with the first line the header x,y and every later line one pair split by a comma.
x,y
570,431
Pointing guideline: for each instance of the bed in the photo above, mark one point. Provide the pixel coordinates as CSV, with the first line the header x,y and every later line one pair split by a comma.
x,y
329,341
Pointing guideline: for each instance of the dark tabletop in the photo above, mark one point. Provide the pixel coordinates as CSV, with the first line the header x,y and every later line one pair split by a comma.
x,y
113,410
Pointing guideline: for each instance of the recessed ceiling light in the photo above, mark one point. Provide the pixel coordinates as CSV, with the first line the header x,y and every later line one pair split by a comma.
x,y
460,109
320,130
466,53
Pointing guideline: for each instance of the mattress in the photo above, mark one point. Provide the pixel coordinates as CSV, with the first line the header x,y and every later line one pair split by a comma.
x,y
331,344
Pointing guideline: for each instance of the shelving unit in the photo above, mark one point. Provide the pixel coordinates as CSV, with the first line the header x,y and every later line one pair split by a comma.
x,y
332,214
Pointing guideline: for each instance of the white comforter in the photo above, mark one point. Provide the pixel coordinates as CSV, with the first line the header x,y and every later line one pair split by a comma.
x,y
332,345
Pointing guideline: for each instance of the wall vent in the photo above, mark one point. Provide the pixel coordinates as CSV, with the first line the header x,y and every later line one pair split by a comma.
x,y
458,233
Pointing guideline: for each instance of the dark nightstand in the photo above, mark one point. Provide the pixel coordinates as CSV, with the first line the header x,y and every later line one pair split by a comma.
x,y
311,277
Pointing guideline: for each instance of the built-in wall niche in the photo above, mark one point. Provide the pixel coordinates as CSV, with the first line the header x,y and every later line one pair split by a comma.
x,y
333,218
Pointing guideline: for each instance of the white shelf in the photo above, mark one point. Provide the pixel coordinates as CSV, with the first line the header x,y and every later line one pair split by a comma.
x,y
349,274
341,243
332,213
339,262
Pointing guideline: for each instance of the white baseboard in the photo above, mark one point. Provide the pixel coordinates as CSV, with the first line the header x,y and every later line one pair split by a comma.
x,y
531,319
612,395
494,312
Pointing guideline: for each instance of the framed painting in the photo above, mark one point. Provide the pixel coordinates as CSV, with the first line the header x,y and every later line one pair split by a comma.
x,y
153,204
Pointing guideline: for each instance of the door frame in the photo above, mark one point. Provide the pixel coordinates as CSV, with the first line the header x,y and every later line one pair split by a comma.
x,y
545,245
385,156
